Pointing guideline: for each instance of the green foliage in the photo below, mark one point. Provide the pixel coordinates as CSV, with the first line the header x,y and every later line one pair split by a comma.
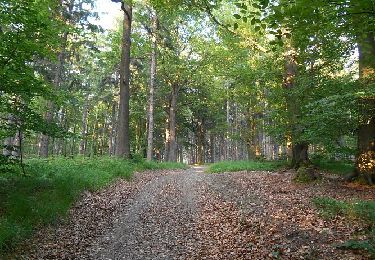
x,y
234,166
52,187
356,210
338,167
28,33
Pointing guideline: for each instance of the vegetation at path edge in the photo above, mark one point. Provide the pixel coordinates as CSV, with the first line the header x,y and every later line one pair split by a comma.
x,y
356,210
51,188
234,166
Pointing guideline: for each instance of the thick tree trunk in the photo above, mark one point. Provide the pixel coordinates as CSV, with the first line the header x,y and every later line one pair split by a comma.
x,y
299,148
300,155
172,142
123,134
365,157
150,113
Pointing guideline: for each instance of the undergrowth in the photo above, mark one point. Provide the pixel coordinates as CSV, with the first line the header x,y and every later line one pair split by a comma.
x,y
233,166
337,167
357,210
51,187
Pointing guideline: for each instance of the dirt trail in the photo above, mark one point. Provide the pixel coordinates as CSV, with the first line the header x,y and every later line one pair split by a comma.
x,y
159,222
188,214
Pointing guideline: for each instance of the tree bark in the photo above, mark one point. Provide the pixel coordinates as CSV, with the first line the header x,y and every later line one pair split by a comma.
x,y
365,157
150,113
82,145
200,143
212,148
299,148
172,142
123,134
112,130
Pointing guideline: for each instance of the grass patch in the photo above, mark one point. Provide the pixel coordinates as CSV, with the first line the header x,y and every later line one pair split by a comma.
x,y
357,210
51,187
337,167
234,166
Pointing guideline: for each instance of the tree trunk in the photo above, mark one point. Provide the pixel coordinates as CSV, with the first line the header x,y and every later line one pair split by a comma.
x,y
112,131
300,155
123,136
44,139
212,148
365,157
150,114
200,143
82,145
167,136
299,148
172,142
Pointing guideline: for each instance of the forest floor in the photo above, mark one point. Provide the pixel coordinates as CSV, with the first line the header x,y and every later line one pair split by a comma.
x,y
189,214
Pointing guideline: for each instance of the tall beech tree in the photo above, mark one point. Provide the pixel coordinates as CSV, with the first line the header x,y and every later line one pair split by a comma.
x,y
151,101
123,134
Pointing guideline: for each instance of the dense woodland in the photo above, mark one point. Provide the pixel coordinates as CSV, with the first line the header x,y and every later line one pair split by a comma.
x,y
256,86
190,81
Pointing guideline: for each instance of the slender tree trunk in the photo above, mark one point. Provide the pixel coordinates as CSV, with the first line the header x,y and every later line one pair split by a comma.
x,y
44,139
150,114
200,143
212,148
82,145
112,131
167,136
172,142
123,134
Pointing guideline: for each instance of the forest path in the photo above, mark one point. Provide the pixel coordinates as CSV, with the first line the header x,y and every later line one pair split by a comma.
x,y
187,214
159,222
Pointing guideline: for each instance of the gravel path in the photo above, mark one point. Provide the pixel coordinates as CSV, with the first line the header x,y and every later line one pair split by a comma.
x,y
159,222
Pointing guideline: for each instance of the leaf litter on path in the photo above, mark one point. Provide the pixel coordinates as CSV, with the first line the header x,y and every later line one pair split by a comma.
x,y
192,215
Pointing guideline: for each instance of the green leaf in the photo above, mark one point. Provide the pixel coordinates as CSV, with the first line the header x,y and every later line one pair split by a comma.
x,y
256,5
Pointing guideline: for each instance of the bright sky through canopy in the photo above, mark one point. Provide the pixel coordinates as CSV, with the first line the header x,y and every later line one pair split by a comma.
x,y
108,12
